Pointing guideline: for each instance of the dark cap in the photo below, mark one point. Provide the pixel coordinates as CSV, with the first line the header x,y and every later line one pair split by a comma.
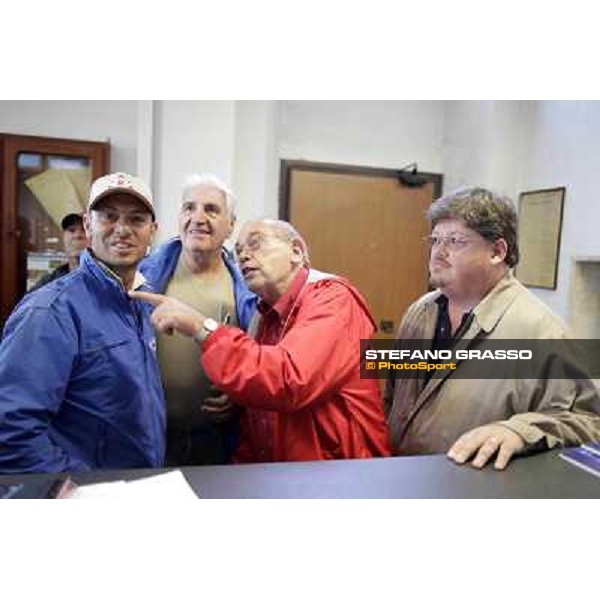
x,y
70,220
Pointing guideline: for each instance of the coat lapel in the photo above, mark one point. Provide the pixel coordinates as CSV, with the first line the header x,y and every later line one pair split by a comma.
x,y
485,317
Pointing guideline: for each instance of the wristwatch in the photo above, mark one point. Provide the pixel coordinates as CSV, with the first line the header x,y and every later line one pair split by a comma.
x,y
207,328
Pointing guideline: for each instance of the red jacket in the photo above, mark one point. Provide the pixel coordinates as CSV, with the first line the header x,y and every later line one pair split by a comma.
x,y
300,379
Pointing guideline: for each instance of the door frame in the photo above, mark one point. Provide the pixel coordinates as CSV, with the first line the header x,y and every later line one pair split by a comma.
x,y
287,166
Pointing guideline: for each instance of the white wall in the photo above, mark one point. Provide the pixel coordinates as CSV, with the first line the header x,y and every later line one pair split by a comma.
x,y
189,137
255,172
234,140
521,146
484,144
564,150
87,120
370,133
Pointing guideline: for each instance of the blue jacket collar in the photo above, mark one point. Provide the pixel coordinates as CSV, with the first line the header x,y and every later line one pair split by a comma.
x,y
159,266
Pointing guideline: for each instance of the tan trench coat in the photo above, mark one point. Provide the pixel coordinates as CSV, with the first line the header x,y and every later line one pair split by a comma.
x,y
425,419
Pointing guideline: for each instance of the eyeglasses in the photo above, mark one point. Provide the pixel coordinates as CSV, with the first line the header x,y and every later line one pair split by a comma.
x,y
133,220
254,242
452,242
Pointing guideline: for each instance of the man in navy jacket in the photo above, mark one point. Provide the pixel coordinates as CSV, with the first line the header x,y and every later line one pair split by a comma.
x,y
80,387
202,423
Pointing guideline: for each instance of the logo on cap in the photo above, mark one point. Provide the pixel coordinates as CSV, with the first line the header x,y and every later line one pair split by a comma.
x,y
119,180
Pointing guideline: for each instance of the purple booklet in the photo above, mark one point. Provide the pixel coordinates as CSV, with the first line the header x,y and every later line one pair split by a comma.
x,y
593,447
583,458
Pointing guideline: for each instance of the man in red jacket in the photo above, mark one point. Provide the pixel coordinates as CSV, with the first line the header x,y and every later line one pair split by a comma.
x,y
299,378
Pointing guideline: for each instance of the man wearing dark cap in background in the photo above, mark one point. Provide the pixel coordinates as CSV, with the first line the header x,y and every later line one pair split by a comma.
x,y
74,242
79,382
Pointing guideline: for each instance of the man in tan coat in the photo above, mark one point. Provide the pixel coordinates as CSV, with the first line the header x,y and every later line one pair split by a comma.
x,y
473,248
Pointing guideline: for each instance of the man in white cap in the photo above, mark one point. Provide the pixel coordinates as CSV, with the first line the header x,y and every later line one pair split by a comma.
x,y
79,382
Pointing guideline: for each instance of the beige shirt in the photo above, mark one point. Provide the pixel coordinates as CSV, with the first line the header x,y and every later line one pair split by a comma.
x,y
184,380
429,418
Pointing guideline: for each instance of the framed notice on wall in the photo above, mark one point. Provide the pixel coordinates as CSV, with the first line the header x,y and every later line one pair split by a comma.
x,y
540,224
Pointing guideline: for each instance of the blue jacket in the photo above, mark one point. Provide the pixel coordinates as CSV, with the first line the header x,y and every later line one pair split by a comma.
x,y
79,382
158,268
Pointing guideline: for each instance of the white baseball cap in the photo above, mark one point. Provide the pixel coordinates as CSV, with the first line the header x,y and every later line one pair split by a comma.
x,y
121,183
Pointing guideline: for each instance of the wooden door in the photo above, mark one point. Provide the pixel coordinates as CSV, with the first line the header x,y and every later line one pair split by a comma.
x,y
366,225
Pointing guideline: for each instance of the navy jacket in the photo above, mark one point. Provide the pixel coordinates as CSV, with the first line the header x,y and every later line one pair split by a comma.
x,y
158,268
79,381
